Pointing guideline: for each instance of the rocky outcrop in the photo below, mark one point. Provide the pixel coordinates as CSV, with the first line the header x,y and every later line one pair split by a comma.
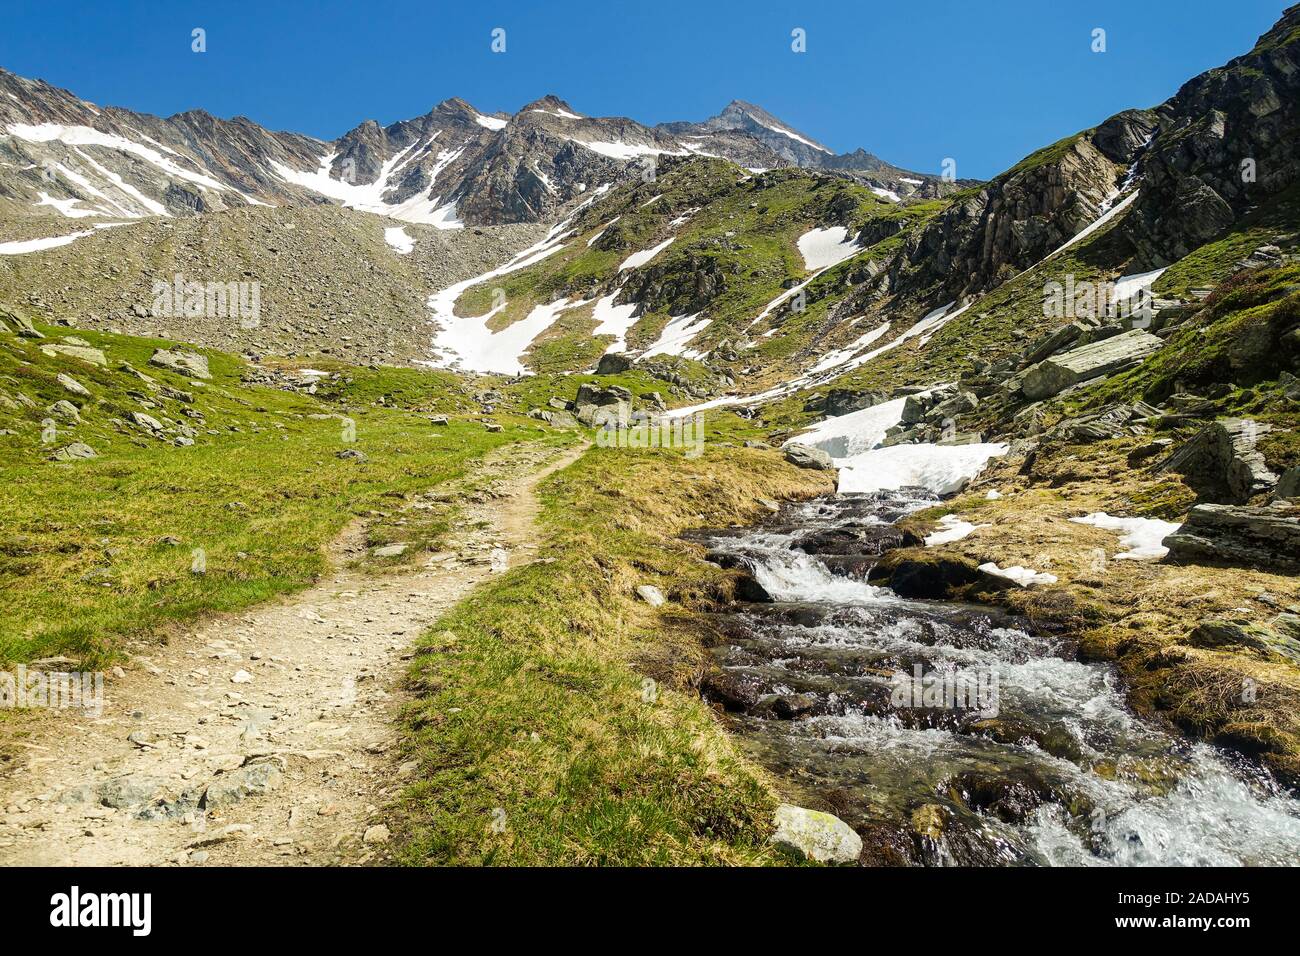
x,y
1267,537
805,456
1281,637
1226,143
1083,364
1222,463
1021,216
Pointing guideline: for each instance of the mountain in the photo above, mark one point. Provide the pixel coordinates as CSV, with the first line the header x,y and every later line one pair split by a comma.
x,y
449,167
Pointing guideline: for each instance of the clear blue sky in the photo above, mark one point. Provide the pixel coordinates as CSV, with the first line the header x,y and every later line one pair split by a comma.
x,y
983,81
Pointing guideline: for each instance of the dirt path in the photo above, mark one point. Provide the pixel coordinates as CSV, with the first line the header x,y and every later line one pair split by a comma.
x,y
266,737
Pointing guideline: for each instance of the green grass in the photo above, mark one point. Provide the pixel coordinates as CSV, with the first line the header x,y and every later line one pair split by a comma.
x,y
85,558
554,701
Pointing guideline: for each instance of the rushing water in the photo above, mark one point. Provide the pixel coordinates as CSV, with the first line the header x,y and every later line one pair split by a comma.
x,y
1031,758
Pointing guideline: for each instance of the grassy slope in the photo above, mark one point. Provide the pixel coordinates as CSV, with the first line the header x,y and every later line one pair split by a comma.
x,y
557,697
743,227
81,559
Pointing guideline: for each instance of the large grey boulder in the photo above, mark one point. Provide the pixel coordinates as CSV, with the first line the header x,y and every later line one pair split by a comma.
x,y
818,836
1266,537
1288,486
805,456
187,363
596,406
1054,341
1115,354
1222,462
611,363
841,401
86,353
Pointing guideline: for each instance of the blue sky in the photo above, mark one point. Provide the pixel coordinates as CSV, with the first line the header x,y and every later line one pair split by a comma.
x,y
914,82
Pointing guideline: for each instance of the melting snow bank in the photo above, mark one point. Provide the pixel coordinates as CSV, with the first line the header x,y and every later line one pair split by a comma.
x,y
53,242
638,259
1022,576
676,335
845,436
399,240
954,529
1142,536
940,468
821,248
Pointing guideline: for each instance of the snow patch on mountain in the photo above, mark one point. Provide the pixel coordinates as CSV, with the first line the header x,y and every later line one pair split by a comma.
x,y
638,259
821,248
397,238
676,335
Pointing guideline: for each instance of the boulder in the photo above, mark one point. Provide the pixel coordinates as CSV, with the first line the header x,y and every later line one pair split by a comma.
x,y
841,401
66,410
805,456
611,363
822,837
1280,637
1115,354
1288,486
650,594
732,690
596,406
20,323
1221,462
74,452
1054,341
251,780
70,384
1267,537
186,363
87,354
147,422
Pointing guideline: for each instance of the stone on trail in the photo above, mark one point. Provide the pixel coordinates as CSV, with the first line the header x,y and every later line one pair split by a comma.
x,y
1115,354
390,551
122,793
376,834
177,360
241,677
250,780
805,456
818,836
